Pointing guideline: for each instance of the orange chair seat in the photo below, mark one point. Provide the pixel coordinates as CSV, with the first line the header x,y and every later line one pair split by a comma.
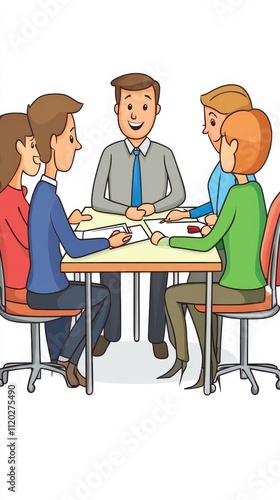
x,y
16,304
240,308
18,309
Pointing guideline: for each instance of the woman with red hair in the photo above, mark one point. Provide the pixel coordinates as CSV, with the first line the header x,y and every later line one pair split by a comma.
x,y
246,141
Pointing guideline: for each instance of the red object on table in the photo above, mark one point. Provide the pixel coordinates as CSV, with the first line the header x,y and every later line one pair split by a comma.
x,y
193,229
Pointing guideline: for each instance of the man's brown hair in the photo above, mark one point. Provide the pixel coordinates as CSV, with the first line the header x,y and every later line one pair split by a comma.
x,y
133,82
227,99
13,127
48,116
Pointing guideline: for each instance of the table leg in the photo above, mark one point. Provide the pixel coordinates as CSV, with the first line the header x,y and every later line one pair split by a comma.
x,y
89,367
208,334
175,278
136,306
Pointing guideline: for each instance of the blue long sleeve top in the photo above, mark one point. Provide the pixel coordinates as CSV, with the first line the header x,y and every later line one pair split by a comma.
x,y
48,228
219,185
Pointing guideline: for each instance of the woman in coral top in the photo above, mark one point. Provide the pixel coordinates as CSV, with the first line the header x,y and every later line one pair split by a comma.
x,y
18,155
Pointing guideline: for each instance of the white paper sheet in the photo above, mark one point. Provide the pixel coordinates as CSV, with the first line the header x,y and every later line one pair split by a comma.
x,y
170,229
102,232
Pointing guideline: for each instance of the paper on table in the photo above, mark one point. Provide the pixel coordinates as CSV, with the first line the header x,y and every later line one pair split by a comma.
x,y
101,232
138,234
170,229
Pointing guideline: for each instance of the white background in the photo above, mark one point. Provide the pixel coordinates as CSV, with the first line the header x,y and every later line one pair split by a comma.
x,y
137,437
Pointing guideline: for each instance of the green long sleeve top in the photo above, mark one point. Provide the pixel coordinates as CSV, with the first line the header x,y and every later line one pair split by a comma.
x,y
241,225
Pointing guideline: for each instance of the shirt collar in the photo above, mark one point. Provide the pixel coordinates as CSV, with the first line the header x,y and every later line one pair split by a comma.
x,y
47,179
144,146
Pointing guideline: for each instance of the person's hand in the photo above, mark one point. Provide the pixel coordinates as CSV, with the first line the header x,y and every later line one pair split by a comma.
x,y
205,230
119,238
148,207
211,219
134,213
176,215
76,217
156,237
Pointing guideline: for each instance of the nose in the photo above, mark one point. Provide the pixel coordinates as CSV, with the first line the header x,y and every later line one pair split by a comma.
x,y
133,117
78,145
205,130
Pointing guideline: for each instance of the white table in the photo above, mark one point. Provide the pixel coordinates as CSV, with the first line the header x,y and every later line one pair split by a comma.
x,y
137,258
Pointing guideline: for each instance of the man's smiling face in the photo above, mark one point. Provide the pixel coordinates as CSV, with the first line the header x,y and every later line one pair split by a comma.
x,y
136,112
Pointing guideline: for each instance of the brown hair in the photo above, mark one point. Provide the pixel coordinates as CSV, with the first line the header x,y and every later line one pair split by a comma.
x,y
13,127
48,116
135,81
252,130
227,99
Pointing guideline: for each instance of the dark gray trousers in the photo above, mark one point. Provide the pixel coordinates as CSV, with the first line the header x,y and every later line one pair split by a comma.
x,y
156,309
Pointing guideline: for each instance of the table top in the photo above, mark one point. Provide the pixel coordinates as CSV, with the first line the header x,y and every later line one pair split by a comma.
x,y
138,257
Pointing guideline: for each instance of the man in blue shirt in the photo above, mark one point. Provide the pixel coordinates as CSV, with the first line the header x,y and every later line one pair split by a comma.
x,y
52,123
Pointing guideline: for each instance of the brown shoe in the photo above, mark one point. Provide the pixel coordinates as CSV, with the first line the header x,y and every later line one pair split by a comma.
x,y
100,346
70,373
79,376
160,350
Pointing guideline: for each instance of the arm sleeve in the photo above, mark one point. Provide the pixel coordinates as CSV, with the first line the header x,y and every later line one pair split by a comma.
x,y
222,225
19,228
201,210
99,201
177,194
73,245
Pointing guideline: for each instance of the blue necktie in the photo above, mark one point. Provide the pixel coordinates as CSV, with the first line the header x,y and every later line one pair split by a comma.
x,y
136,191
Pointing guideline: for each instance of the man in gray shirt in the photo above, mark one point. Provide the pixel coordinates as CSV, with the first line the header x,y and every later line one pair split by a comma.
x,y
137,173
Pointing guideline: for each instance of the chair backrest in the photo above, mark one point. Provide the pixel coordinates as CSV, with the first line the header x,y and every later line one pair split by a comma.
x,y
270,247
2,286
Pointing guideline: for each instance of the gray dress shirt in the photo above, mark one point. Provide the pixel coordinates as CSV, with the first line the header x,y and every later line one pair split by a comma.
x,y
158,169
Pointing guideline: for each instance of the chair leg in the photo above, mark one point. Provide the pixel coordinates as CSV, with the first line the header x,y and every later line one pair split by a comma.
x,y
36,366
243,346
35,355
219,338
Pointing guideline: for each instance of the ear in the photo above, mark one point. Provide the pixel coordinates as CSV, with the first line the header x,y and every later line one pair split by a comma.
x,y
20,147
234,145
116,109
158,109
53,141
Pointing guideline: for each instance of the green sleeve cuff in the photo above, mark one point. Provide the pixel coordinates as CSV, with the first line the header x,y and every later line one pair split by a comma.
x,y
163,242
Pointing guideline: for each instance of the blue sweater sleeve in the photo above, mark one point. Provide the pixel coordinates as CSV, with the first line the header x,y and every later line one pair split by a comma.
x,y
201,210
74,246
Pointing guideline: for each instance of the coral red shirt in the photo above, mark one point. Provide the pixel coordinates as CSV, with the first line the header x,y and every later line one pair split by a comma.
x,y
14,210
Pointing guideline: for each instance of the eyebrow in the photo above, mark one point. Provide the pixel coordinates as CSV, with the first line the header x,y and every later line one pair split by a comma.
x,y
128,96
148,96
32,138
72,129
212,114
